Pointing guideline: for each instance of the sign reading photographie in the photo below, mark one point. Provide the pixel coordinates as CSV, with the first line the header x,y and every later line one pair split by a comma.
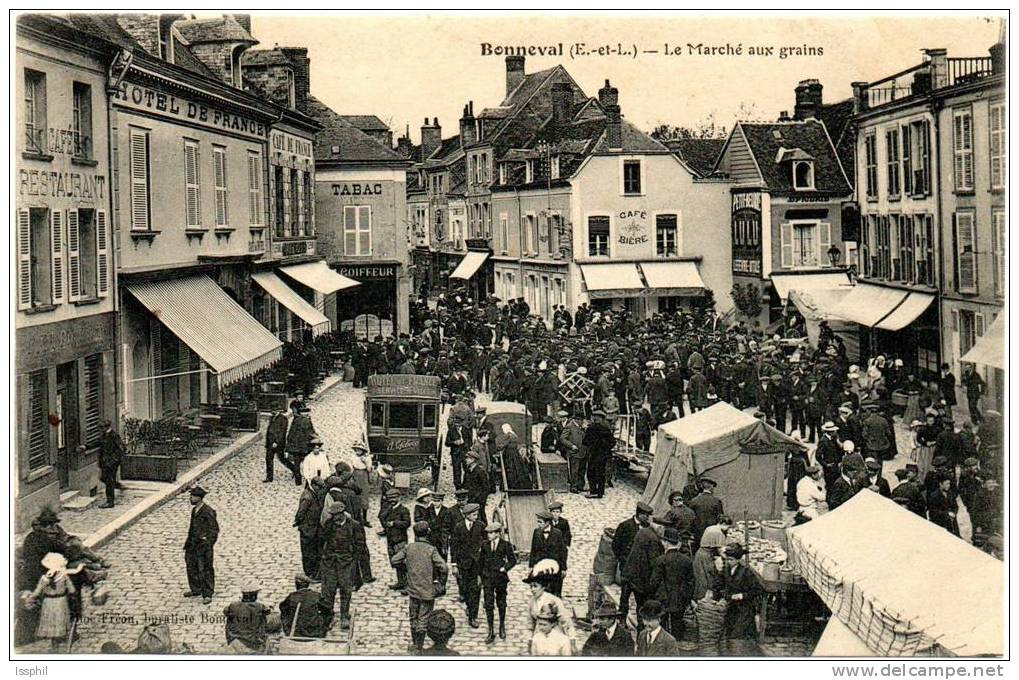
x,y
746,233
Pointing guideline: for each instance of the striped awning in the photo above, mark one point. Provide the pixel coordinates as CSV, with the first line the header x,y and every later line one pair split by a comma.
x,y
318,276
288,297
212,324
469,265
612,280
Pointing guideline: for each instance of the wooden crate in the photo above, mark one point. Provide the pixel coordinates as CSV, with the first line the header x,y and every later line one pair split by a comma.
x,y
555,471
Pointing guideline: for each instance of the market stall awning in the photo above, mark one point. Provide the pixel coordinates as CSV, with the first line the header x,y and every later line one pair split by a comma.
x,y
786,282
867,305
288,297
906,313
989,349
612,280
212,324
318,276
673,278
469,265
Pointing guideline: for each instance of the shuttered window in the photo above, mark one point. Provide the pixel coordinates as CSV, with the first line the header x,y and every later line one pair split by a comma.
x,y
93,399
74,253
57,243
309,205
999,228
357,230
870,157
962,145
219,177
892,164
38,420
999,144
907,161
295,204
192,186
139,143
35,111
102,254
965,252
255,209
24,249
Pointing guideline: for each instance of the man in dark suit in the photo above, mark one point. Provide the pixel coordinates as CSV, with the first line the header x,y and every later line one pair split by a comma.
x,y
276,443
622,543
876,481
636,572
654,640
908,492
829,453
468,539
706,506
299,437
610,637
111,453
476,481
672,582
395,520
843,488
548,543
198,548
497,558
599,442
562,524
742,591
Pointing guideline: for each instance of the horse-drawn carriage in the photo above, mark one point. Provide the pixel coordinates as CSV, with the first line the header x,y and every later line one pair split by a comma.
x,y
402,414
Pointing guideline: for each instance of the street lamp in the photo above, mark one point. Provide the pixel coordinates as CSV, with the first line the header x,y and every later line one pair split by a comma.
x,y
834,254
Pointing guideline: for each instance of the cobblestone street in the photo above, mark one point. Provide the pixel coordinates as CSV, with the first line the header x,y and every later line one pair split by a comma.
x,y
257,542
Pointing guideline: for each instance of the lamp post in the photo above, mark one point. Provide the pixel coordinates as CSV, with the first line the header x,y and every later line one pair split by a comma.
x,y
834,254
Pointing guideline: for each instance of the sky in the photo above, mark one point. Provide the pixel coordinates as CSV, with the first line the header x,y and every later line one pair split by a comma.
x,y
404,68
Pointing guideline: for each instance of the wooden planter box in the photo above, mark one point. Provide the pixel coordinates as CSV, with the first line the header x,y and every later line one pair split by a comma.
x,y
555,471
149,468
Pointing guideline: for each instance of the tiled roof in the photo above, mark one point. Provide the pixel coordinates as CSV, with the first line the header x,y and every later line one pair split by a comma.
x,y
213,29
495,112
634,140
364,122
183,57
530,83
699,154
273,57
448,147
838,119
353,144
765,140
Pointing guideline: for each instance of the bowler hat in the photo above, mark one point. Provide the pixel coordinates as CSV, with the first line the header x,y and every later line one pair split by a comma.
x,y
902,473
47,518
652,609
643,508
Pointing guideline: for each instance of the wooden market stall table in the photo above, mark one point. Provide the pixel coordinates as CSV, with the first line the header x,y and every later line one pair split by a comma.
x,y
781,606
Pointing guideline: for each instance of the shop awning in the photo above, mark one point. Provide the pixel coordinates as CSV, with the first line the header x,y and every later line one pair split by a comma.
x,y
318,276
989,349
288,297
208,321
469,265
867,305
785,282
612,280
673,278
906,313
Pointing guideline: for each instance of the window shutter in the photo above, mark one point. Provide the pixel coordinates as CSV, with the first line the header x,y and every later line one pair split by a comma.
x,y
24,259
93,399
156,345
823,242
957,149
967,125
252,188
38,421
219,170
57,244
102,255
74,253
139,180
965,241
907,161
787,244
191,192
926,157
364,228
350,229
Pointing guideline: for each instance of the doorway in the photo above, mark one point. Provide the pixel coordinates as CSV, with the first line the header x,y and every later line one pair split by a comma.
x,y
66,410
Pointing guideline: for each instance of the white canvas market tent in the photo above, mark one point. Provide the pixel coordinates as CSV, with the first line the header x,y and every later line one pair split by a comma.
x,y
743,454
901,584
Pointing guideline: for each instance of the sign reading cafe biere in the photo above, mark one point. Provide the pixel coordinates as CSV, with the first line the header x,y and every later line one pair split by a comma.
x,y
145,98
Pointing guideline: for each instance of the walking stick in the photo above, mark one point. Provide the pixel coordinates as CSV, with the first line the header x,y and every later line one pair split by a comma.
x,y
70,635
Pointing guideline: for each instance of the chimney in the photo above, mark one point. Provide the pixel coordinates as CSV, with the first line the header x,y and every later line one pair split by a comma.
x,y
244,20
431,138
298,56
403,144
608,96
859,96
998,58
937,63
468,128
783,117
808,100
514,73
562,105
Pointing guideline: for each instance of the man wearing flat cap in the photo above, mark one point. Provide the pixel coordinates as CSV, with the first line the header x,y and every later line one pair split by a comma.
x,y
246,620
498,557
203,531
306,605
548,543
339,555
610,637
426,578
395,519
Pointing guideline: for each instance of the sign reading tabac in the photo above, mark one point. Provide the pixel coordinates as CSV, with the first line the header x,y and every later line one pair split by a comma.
x,y
146,98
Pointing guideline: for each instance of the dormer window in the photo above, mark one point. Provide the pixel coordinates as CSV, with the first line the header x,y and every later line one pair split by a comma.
x,y
803,175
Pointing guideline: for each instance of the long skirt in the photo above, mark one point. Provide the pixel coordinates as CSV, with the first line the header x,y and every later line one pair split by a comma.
x,y
54,618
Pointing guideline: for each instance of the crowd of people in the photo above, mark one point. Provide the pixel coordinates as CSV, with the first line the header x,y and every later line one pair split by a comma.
x,y
581,378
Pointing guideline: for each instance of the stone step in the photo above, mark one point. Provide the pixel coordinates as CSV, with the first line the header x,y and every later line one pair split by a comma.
x,y
78,502
68,496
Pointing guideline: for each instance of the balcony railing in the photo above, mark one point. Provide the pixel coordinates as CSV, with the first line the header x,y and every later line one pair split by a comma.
x,y
922,79
968,69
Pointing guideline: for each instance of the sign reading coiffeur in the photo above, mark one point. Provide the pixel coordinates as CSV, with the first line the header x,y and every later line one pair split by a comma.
x,y
146,98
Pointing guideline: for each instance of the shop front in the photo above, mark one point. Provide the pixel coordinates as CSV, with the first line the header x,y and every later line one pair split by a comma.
x,y
643,288
373,307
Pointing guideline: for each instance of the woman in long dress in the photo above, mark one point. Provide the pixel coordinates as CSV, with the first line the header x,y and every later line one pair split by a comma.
x,y
706,573
518,475
52,592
